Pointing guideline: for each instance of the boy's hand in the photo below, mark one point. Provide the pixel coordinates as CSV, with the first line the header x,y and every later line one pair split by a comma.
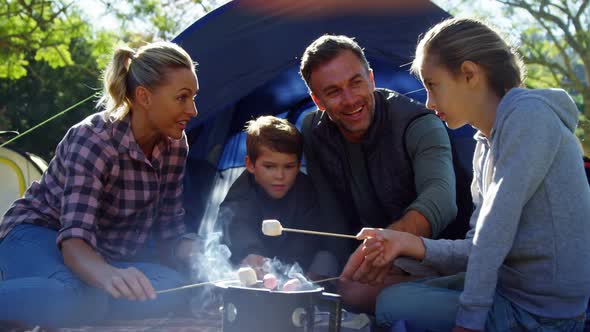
x,y
184,249
184,254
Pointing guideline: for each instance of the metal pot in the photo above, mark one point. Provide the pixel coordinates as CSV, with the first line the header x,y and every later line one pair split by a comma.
x,y
257,309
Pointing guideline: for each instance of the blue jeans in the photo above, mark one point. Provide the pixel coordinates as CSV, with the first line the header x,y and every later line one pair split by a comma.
x,y
431,304
37,288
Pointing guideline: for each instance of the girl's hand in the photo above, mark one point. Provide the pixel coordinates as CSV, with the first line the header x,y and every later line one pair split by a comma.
x,y
373,249
382,246
129,283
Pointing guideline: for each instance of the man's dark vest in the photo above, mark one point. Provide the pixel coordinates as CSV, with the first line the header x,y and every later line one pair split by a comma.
x,y
388,164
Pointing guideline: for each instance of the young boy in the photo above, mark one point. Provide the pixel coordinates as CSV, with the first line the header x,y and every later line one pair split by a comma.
x,y
271,188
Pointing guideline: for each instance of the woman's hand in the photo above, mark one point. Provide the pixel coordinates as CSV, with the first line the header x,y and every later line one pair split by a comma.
x,y
129,283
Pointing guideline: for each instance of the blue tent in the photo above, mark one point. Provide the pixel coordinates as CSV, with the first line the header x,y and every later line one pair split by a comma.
x,y
248,53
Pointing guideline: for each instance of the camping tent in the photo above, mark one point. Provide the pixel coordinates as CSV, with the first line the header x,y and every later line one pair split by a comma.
x,y
248,53
17,171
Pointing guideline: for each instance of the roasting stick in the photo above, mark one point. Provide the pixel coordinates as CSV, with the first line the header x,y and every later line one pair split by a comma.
x,y
193,286
324,280
185,287
272,227
318,233
246,276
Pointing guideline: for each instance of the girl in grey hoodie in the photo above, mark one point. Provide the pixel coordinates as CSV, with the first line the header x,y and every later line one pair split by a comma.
x,y
527,256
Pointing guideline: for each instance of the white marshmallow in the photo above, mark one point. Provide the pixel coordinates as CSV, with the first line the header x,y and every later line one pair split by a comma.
x,y
247,276
272,227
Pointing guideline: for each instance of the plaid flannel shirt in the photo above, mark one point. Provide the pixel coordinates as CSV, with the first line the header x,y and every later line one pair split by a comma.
x,y
101,188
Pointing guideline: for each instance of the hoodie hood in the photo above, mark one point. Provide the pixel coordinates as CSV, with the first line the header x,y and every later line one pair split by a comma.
x,y
557,99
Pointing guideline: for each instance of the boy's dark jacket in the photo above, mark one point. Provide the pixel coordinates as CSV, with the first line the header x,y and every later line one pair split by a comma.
x,y
246,205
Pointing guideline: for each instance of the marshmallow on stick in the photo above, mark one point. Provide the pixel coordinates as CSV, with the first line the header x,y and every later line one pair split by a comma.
x,y
272,227
247,276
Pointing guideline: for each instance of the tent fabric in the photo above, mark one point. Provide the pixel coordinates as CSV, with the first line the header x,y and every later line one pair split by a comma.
x,y
248,53
239,48
17,171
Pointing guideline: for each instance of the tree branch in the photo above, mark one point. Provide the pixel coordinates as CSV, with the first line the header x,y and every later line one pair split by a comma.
x,y
540,14
562,51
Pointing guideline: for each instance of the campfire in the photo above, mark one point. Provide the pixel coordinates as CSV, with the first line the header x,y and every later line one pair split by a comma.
x,y
272,304
274,297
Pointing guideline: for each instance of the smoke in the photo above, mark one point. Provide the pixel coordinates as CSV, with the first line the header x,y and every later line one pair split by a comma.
x,y
212,263
211,258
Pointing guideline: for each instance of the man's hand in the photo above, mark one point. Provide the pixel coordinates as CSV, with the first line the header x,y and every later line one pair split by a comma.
x,y
360,269
353,264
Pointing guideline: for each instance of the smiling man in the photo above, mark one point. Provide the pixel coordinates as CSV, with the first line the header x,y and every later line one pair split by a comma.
x,y
377,158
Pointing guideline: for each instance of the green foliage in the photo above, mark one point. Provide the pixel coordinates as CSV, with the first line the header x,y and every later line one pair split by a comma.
x,y
166,18
36,26
554,38
55,56
556,48
51,57
102,47
28,101
12,65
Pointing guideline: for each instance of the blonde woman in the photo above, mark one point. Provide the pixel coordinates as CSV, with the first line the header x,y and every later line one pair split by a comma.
x,y
80,245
